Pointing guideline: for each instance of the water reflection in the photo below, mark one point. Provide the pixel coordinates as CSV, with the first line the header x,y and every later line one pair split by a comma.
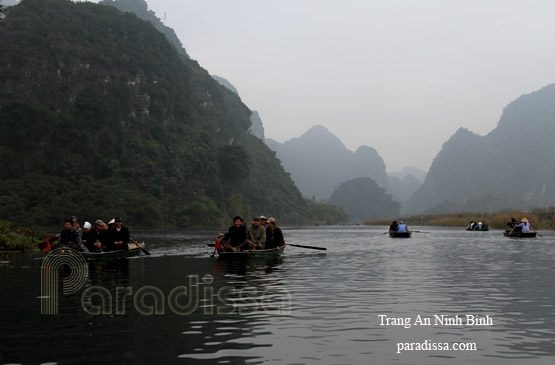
x,y
302,307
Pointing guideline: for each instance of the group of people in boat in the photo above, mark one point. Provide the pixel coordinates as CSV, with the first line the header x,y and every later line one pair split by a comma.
x,y
398,227
261,234
103,237
477,226
522,226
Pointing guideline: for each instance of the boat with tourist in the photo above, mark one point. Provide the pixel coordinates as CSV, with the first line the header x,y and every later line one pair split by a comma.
x,y
520,234
134,250
397,234
241,255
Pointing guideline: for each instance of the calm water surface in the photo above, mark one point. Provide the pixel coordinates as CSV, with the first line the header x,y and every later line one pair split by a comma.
x,y
305,306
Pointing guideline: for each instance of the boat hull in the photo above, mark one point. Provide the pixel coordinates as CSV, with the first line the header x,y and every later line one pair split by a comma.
x,y
400,234
520,234
112,255
242,255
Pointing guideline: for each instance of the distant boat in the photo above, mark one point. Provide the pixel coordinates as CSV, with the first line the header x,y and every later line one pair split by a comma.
x,y
396,234
519,234
483,227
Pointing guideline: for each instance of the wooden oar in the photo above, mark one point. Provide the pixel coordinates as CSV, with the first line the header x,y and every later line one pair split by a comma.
x,y
537,232
287,244
421,231
139,246
311,247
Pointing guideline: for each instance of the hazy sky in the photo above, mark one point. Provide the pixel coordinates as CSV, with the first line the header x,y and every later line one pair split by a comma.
x,y
400,76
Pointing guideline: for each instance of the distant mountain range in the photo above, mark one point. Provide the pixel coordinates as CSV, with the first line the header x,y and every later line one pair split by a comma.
x,y
511,167
319,162
418,174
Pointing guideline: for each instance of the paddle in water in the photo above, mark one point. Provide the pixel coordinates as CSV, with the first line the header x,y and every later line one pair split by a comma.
x,y
139,246
216,246
311,247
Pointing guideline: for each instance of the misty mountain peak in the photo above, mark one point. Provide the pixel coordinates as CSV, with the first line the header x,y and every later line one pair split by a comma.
x,y
319,162
320,138
512,167
367,152
533,110
224,82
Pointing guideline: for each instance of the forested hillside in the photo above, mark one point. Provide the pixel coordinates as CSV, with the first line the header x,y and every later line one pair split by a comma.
x,y
101,116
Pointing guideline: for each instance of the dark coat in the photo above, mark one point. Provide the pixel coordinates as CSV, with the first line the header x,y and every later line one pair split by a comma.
x,y
274,238
115,236
236,235
93,236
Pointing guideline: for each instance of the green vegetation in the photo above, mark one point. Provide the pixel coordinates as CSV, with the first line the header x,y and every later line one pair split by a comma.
x,y
102,117
140,9
540,218
15,238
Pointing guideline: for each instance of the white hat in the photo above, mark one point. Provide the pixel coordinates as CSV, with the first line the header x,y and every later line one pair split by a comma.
x,y
87,225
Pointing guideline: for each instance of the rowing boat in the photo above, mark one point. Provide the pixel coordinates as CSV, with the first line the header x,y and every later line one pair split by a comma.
x,y
396,234
520,234
249,253
111,255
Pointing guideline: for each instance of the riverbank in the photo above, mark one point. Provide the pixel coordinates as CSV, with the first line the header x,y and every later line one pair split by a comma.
x,y
541,218
16,238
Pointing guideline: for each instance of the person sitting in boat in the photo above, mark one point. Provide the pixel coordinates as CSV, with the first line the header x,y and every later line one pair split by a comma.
x,y
402,227
74,222
118,236
523,226
263,221
86,229
478,226
393,227
236,237
512,223
97,238
256,234
471,225
70,237
274,235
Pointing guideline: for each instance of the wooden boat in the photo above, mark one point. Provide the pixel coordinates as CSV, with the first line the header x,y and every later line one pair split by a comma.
x,y
396,234
111,255
520,234
478,230
241,255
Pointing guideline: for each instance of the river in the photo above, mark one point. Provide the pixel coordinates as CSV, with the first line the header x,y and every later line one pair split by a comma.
x,y
444,296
